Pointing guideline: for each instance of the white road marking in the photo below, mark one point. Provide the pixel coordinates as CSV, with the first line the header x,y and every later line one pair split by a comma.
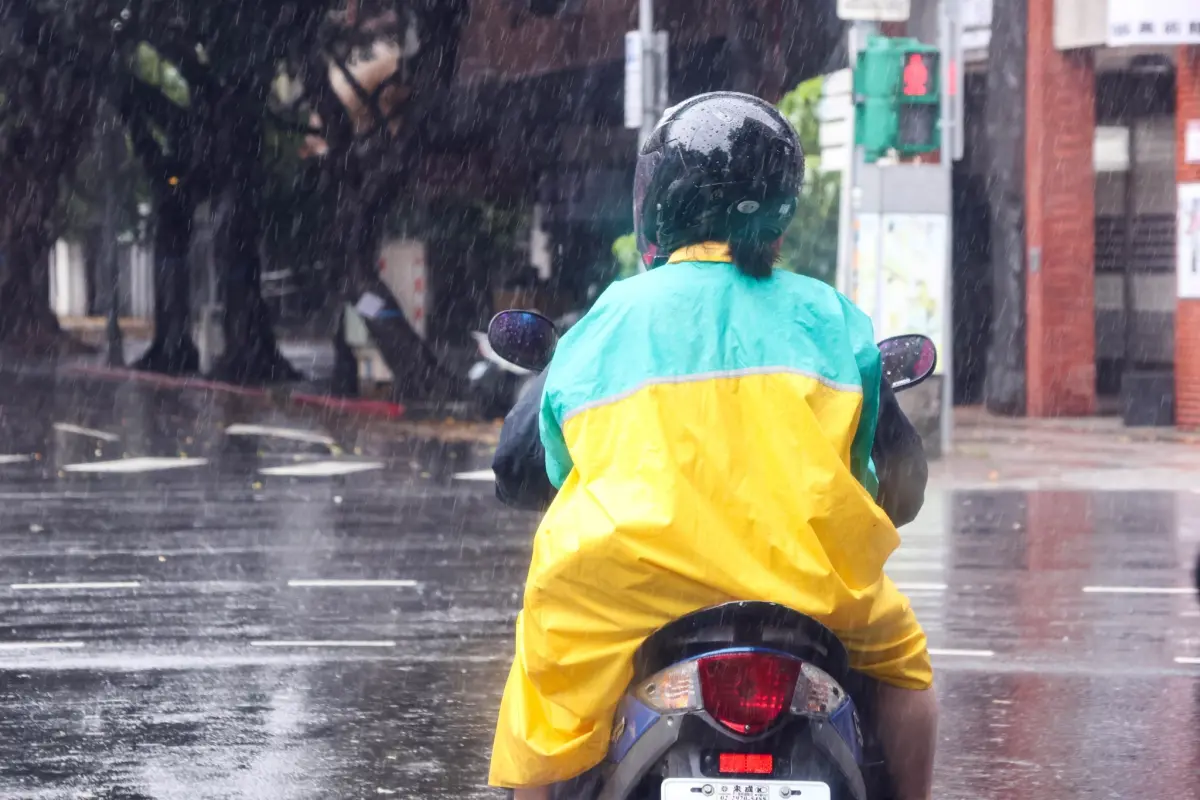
x,y
20,587
937,651
1189,660
318,583
911,586
133,465
40,645
477,475
322,469
14,459
1191,613
293,434
1138,590
320,643
104,436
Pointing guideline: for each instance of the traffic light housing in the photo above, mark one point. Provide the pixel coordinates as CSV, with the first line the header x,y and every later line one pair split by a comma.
x,y
897,97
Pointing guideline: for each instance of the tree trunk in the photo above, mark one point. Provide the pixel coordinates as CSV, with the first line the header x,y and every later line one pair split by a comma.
x,y
345,365
172,351
1004,385
27,323
251,351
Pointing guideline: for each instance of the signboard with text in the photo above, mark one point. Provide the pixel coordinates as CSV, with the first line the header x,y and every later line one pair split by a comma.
x,y
1138,22
874,10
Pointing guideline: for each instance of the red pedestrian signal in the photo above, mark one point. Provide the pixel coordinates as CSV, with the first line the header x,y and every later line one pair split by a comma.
x,y
916,75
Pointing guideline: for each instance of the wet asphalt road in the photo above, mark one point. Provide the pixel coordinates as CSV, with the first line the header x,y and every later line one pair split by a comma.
x,y
213,645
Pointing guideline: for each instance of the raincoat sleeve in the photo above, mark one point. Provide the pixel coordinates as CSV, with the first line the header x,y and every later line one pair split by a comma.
x,y
520,459
870,368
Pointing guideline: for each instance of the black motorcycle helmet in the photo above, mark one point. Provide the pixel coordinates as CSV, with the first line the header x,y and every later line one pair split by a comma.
x,y
722,166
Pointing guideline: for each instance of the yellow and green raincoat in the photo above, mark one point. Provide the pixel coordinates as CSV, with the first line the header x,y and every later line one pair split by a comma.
x,y
710,435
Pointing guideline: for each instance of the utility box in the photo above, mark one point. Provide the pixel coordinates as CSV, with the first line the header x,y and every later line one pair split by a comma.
x,y
403,268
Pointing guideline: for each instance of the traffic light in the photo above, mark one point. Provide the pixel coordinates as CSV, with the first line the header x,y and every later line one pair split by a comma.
x,y
897,97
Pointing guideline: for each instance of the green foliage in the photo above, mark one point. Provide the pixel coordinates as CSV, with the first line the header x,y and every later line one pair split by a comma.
x,y
151,68
625,254
800,107
810,244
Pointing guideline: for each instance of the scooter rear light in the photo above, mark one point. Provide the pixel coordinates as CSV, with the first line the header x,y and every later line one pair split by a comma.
x,y
746,764
747,691
817,693
676,688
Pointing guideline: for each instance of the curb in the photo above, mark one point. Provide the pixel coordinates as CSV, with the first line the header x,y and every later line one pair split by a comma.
x,y
343,405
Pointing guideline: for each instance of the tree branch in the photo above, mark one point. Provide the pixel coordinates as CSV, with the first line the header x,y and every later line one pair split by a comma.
x,y
369,99
334,116
144,143
156,104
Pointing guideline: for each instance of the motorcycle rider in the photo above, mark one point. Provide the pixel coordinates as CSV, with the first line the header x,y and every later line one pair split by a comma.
x,y
711,430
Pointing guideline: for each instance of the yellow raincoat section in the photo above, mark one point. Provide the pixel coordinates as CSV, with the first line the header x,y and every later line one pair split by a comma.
x,y
715,466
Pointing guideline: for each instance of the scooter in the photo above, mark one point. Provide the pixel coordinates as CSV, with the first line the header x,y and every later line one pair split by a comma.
x,y
741,701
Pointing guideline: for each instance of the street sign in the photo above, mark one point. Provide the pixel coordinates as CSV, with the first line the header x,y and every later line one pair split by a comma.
x,y
634,64
637,60
835,111
874,10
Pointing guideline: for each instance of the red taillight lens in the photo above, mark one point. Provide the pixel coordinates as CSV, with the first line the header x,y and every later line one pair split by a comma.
x,y
746,764
746,692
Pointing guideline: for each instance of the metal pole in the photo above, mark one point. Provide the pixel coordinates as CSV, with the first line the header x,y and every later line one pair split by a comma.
x,y
849,200
112,148
646,35
946,21
845,257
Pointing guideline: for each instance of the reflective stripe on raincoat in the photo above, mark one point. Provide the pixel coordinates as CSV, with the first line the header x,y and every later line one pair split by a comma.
x,y
711,438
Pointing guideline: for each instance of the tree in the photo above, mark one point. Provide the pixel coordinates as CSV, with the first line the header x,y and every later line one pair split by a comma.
x,y
810,243
152,99
1004,384
373,75
207,143
47,106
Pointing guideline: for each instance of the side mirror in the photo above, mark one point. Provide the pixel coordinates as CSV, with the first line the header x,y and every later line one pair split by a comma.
x,y
524,338
907,360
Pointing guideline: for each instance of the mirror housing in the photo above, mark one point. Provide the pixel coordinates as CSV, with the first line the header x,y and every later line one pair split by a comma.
x,y
524,338
907,360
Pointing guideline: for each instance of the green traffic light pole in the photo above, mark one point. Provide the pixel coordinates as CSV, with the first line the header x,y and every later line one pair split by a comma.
x,y
902,107
948,47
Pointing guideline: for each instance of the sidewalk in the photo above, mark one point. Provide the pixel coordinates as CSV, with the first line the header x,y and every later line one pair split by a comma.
x,y
1096,453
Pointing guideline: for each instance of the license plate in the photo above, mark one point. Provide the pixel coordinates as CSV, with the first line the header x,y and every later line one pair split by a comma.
x,y
735,789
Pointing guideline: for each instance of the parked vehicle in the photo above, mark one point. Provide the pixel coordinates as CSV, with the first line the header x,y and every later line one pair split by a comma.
x,y
741,701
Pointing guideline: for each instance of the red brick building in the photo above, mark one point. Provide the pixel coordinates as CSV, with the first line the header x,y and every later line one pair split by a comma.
x,y
1112,99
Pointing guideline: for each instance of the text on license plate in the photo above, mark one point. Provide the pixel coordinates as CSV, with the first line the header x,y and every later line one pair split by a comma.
x,y
733,789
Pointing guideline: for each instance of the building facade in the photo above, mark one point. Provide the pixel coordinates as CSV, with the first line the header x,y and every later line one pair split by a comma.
x,y
1111,199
